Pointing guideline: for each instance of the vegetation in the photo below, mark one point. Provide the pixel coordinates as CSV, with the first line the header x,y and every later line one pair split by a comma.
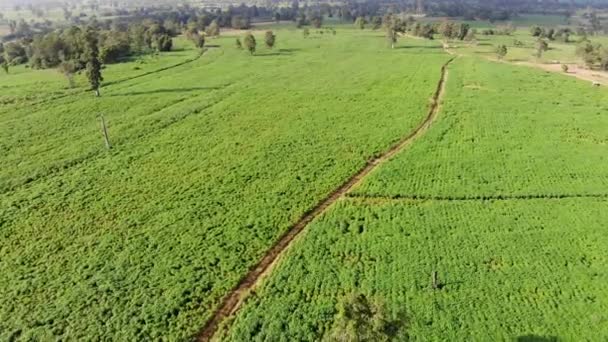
x,y
250,43
507,269
496,125
501,51
208,165
485,224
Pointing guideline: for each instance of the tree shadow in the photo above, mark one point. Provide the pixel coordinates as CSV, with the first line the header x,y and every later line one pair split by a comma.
x,y
212,45
276,53
536,338
162,91
434,47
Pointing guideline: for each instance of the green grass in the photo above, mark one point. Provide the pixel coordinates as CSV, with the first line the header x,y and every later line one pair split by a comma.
x,y
505,130
509,268
527,263
212,162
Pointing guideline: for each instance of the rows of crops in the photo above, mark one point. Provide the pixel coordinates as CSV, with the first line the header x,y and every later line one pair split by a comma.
x,y
509,268
526,264
505,130
212,161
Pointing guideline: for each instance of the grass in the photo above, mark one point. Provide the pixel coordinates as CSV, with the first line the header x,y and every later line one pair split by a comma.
x,y
507,269
504,197
212,162
505,130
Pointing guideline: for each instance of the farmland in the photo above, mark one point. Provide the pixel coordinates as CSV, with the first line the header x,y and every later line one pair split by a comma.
x,y
511,217
212,160
489,122
248,195
510,268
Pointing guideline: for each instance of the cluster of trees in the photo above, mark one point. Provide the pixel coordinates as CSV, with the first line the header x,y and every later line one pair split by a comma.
x,y
250,42
561,34
68,45
594,55
452,30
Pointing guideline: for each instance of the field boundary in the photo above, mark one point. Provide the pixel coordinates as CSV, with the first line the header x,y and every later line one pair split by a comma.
x,y
233,300
424,198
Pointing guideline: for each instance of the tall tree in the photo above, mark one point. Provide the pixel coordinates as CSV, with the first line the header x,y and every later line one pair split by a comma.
x,y
269,39
91,55
250,43
541,46
391,37
501,51
68,68
360,22
214,29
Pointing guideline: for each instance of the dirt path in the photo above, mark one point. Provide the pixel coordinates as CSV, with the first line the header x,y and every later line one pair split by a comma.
x,y
574,70
233,300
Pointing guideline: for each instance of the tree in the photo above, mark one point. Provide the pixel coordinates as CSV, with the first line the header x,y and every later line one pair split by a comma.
x,y
463,30
269,39
164,42
541,46
68,68
536,31
470,37
239,45
91,55
250,42
391,37
360,22
4,64
446,29
214,29
501,51
306,33
362,320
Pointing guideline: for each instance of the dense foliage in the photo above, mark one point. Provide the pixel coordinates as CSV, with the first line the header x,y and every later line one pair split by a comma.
x,y
506,269
212,160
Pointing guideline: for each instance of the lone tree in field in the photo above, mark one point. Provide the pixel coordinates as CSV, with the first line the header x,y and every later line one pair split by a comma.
x,y
391,37
269,39
362,320
238,43
68,69
360,22
91,53
501,51
541,46
249,42
214,29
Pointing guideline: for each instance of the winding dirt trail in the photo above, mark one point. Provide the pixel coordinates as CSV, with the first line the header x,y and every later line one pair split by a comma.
x,y
233,300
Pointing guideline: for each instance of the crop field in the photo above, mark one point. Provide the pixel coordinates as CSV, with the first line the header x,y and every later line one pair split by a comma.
x,y
488,141
512,218
212,160
509,269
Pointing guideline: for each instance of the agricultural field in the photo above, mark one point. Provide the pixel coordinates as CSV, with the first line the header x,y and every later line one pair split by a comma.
x,y
213,158
488,142
532,269
510,215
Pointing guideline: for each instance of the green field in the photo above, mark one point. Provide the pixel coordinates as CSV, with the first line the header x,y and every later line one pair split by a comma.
x,y
212,160
216,154
506,131
505,197
510,269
